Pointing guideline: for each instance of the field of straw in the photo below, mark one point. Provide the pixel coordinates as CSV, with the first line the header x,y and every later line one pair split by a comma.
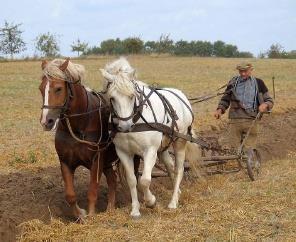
x,y
217,208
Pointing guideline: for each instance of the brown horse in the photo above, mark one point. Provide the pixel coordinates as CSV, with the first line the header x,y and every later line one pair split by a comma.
x,y
80,118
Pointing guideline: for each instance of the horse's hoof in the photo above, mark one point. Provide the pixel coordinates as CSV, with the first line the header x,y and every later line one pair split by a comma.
x,y
136,217
110,209
151,204
91,215
81,219
172,205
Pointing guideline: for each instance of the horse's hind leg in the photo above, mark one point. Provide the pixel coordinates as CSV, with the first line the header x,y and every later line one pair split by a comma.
x,y
179,148
95,176
145,180
168,162
112,182
68,176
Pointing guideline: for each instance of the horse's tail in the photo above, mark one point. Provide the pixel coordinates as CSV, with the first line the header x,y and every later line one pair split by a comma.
x,y
192,155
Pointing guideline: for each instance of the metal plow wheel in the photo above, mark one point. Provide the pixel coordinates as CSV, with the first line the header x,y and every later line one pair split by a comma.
x,y
253,163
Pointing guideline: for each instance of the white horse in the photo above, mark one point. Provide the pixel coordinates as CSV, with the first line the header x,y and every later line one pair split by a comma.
x,y
122,90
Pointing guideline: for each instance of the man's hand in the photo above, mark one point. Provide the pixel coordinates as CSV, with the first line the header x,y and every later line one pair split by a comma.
x,y
263,108
218,113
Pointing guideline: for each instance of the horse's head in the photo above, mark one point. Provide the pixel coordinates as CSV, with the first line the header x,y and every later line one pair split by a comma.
x,y
119,87
55,89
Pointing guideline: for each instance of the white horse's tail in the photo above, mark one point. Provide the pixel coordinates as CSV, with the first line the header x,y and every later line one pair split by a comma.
x,y
193,155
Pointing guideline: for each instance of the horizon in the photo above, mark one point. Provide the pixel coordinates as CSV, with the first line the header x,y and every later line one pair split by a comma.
x,y
255,30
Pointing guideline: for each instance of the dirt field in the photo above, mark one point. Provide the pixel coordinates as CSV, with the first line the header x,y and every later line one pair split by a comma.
x,y
220,207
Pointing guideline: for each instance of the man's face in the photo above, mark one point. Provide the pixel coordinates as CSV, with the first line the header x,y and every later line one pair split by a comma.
x,y
245,73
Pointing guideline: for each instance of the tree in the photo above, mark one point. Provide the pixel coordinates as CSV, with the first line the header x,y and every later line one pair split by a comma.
x,y
219,48
165,44
182,47
275,51
11,41
112,47
291,54
95,50
47,44
133,45
230,51
79,47
202,48
150,47
245,54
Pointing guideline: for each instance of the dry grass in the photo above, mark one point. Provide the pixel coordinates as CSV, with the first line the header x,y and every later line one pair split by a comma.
x,y
220,208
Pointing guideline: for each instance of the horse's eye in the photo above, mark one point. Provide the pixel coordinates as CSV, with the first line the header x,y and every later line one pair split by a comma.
x,y
57,90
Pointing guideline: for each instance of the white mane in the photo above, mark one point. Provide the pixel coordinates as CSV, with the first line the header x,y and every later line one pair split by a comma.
x,y
74,72
121,76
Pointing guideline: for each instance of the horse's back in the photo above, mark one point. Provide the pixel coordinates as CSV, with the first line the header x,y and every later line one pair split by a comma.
x,y
177,99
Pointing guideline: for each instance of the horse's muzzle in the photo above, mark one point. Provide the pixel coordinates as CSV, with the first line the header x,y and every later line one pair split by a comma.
x,y
49,124
124,126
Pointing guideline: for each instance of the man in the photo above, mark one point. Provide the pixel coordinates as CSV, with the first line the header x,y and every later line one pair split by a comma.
x,y
246,96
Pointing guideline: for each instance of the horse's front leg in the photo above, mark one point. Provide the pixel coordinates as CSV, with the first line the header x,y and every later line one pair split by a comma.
x,y
179,149
95,176
68,177
145,180
128,164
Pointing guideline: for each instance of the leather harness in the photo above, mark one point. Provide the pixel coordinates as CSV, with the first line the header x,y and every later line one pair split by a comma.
x,y
172,132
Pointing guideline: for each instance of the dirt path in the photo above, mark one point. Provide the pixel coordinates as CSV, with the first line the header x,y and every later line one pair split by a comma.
x,y
28,195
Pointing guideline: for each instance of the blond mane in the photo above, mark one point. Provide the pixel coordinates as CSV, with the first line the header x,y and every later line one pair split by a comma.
x,y
119,75
73,73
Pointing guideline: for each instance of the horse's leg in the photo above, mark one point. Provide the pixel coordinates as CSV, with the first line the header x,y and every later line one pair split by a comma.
x,y
112,182
95,176
145,180
179,148
68,177
128,164
168,162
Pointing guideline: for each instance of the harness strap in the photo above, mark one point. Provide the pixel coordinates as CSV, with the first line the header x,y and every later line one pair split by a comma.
x,y
169,108
181,99
165,130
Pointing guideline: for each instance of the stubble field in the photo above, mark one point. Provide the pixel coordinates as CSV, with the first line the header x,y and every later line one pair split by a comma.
x,y
216,208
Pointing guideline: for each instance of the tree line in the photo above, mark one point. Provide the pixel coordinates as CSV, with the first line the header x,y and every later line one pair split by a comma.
x,y
134,45
47,44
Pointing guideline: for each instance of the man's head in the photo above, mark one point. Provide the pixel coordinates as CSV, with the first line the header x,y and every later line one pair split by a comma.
x,y
245,70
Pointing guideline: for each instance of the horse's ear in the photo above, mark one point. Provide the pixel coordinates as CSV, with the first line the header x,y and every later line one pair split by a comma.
x,y
64,66
107,75
43,64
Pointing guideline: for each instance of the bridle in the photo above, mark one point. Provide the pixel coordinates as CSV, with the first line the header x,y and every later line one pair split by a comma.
x,y
70,94
137,109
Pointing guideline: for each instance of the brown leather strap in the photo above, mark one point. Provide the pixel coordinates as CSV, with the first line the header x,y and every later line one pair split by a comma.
x,y
141,127
181,99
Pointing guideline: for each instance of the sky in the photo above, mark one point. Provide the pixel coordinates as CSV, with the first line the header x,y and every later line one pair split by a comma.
x,y
252,25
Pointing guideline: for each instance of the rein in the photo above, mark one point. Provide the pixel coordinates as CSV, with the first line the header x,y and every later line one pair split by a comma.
x,y
210,96
99,142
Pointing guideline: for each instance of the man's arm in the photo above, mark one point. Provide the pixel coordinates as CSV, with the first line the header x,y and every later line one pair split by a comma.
x,y
224,101
267,102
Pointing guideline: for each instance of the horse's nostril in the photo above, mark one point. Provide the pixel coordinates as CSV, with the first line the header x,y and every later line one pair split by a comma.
x,y
50,121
